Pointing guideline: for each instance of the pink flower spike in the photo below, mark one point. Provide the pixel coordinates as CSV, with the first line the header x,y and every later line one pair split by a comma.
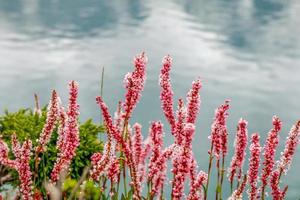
x,y
238,194
270,146
16,146
137,143
52,117
196,186
290,148
111,129
23,166
134,83
253,170
182,164
274,184
4,160
71,135
113,170
238,158
61,129
193,102
166,94
219,134
156,135
157,174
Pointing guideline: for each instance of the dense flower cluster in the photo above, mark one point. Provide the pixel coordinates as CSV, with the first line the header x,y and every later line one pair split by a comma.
x,y
183,164
67,142
219,135
52,117
270,150
166,95
21,163
253,170
134,83
70,134
237,161
277,194
290,148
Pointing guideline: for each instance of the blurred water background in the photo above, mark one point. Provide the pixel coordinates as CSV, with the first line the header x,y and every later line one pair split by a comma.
x,y
244,50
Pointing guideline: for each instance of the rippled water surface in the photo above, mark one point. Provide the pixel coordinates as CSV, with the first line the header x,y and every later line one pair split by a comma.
x,y
246,50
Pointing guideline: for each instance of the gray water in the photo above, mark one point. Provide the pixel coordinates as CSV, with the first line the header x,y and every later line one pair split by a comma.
x,y
246,50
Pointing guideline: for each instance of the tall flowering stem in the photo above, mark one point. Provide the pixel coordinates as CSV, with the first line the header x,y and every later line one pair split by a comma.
x,y
290,148
277,194
166,94
238,193
4,160
253,170
182,167
24,170
22,154
134,83
157,174
238,158
219,140
70,134
114,132
52,117
270,146
196,186
156,135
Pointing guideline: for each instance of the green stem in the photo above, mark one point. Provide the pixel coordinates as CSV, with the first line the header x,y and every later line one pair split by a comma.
x,y
209,170
222,176
231,187
218,180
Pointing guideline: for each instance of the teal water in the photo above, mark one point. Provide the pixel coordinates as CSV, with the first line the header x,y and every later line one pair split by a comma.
x,y
246,50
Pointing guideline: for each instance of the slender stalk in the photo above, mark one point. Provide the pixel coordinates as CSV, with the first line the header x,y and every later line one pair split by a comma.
x,y
218,180
102,82
209,170
263,193
222,176
161,194
124,178
149,190
231,187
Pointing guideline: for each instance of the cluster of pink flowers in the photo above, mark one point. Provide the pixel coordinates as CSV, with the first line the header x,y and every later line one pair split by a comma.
x,y
22,155
277,194
237,161
146,160
193,102
238,193
68,141
182,166
157,174
253,170
166,95
52,117
23,169
134,83
219,135
290,148
270,150
200,180
70,134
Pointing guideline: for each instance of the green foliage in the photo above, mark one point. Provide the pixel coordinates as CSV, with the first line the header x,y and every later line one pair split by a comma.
x,y
28,125
89,189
